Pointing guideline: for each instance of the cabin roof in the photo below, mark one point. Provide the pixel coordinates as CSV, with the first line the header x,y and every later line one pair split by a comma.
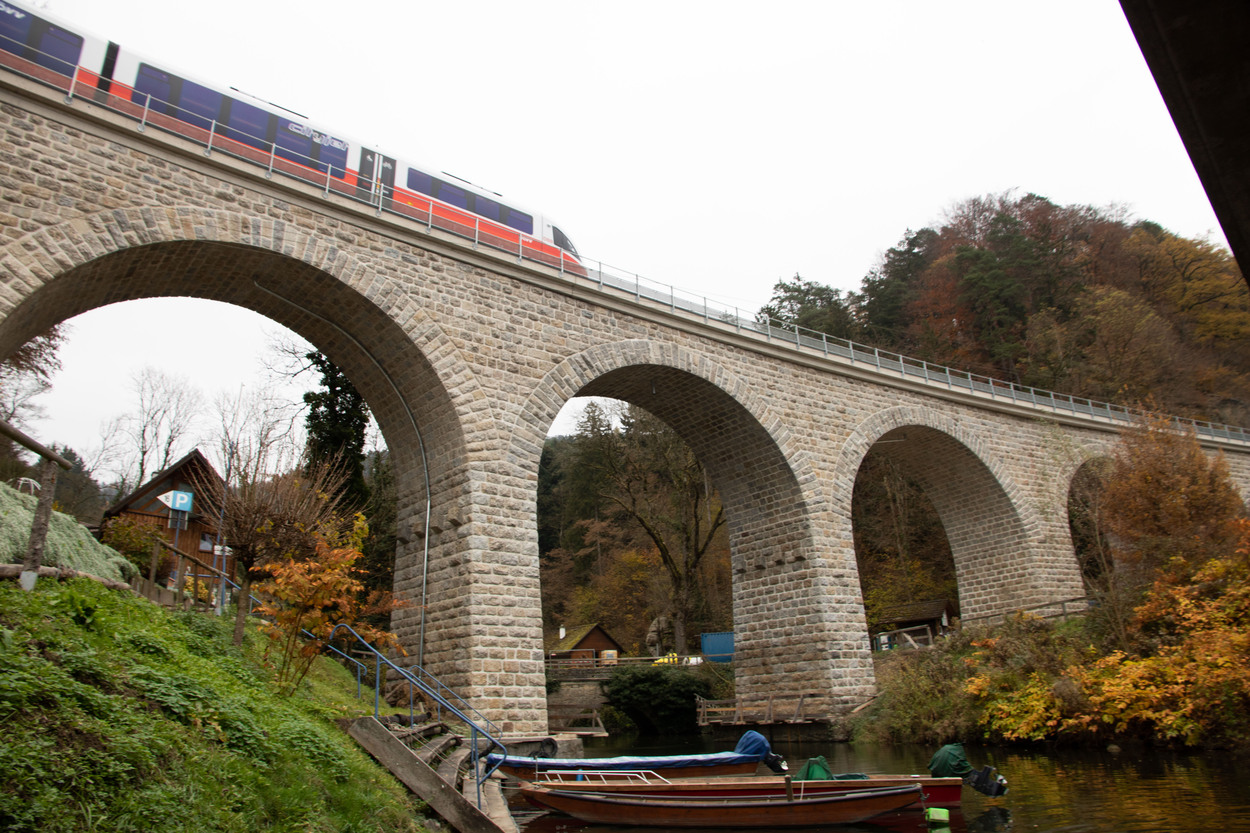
x,y
147,492
574,636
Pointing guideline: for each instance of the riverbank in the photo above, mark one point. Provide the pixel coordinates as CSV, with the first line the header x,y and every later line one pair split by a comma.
x,y
1185,684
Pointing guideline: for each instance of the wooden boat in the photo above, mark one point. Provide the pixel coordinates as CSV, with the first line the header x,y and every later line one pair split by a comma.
x,y
752,750
694,811
937,792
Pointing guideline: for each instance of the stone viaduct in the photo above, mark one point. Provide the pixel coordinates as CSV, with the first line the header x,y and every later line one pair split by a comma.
x,y
466,355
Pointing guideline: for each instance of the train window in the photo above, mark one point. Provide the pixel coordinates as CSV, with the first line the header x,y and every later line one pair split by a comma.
x,y
519,220
333,155
59,50
14,29
563,241
487,208
451,194
248,124
294,142
300,143
37,40
157,84
198,105
420,181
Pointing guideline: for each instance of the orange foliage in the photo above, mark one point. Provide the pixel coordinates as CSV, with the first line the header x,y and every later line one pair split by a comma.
x,y
312,596
1165,499
1194,689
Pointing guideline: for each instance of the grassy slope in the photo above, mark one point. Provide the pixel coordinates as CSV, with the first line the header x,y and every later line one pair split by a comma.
x,y
69,543
118,715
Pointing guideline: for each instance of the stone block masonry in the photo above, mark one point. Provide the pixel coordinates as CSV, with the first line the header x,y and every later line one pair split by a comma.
x,y
466,356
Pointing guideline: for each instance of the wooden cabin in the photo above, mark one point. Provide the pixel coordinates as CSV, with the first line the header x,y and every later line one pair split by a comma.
x,y
198,534
913,624
584,645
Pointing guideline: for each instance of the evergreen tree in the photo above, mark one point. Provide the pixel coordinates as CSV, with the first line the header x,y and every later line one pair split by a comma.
x,y
812,306
887,292
382,512
77,493
336,423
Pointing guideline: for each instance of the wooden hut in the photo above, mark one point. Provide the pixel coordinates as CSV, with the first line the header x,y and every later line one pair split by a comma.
x,y
913,624
589,644
194,534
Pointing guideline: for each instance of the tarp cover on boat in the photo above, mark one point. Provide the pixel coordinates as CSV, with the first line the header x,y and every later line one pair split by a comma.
x,y
817,769
753,743
752,747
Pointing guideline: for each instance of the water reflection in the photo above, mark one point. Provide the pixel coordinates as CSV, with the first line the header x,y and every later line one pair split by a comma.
x,y
1051,790
991,820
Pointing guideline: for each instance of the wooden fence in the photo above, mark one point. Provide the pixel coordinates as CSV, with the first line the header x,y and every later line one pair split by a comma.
x,y
600,668
740,711
1050,610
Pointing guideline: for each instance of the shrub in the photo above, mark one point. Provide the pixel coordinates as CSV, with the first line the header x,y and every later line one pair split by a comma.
x,y
658,699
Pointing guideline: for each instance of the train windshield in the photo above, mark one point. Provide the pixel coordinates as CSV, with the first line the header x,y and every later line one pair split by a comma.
x,y
562,240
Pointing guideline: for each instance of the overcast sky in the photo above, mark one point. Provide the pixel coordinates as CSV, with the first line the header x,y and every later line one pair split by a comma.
x,y
716,146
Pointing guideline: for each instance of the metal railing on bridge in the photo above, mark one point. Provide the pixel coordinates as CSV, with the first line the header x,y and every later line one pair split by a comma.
x,y
433,213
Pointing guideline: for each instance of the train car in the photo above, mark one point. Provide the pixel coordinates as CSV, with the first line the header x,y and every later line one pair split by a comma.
x,y
283,141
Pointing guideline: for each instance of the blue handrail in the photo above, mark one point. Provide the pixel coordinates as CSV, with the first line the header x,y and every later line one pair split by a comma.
x,y
480,772
430,685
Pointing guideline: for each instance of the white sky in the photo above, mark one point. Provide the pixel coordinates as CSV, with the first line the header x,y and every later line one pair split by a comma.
x,y
717,146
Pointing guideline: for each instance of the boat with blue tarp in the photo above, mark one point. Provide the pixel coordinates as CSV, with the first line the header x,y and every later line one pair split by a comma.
x,y
752,750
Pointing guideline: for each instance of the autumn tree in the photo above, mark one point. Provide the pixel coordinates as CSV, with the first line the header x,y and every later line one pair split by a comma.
x,y
268,518
307,598
901,549
655,481
1161,510
1076,299
629,490
1165,498
1113,346
623,598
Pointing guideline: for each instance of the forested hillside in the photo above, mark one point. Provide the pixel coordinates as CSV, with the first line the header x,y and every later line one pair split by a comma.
x,y
1075,299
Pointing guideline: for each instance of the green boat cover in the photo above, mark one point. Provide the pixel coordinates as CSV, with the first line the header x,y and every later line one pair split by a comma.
x,y
817,769
950,761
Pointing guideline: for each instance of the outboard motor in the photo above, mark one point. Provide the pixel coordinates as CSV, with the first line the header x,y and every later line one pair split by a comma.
x,y
776,763
986,781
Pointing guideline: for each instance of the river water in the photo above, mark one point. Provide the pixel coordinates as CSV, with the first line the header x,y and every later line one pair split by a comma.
x,y
1050,790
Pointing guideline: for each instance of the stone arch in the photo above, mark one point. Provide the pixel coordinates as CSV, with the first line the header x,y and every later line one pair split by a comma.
x,y
986,513
324,281
798,624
